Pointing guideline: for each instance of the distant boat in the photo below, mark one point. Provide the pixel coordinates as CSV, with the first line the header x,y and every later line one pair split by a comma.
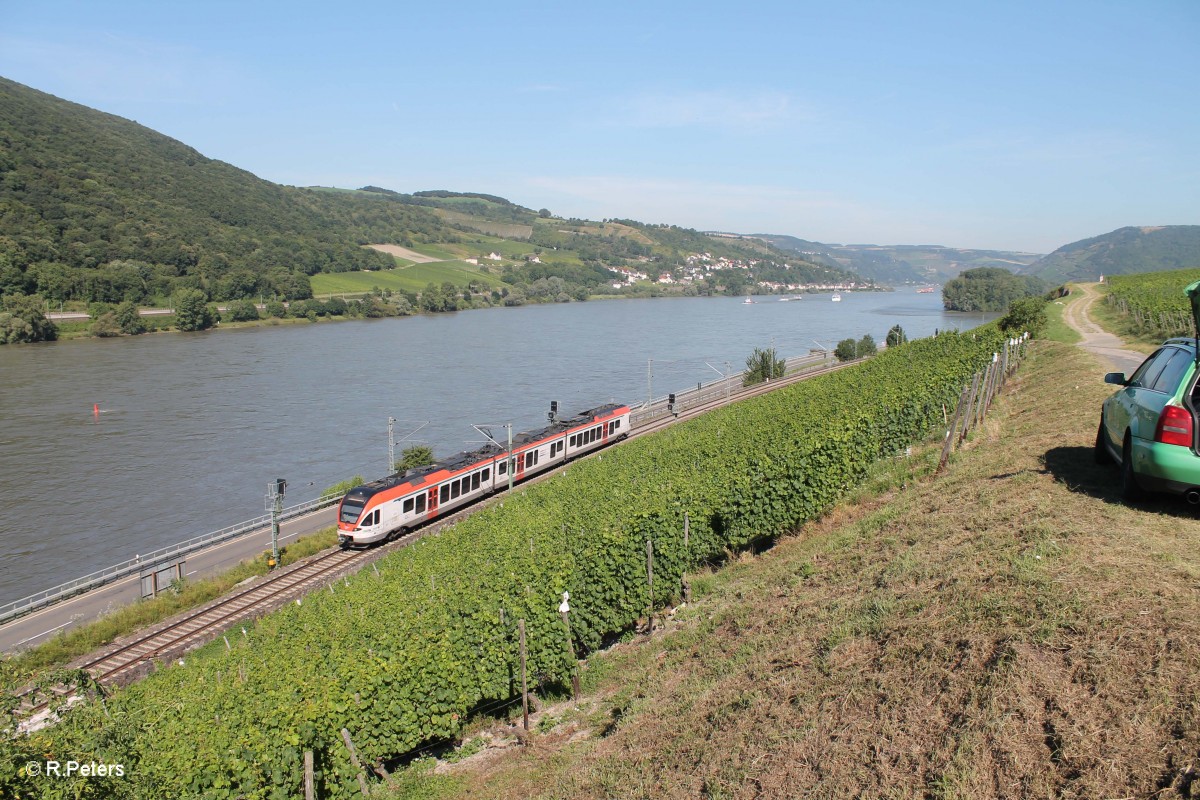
x,y
837,298
747,302
926,290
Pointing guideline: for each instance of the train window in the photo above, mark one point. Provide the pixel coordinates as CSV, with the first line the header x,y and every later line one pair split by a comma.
x,y
486,474
574,440
421,503
454,487
408,505
375,520
350,511
445,493
475,481
502,468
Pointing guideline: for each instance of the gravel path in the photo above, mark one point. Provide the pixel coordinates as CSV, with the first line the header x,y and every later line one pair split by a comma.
x,y
1106,346
403,252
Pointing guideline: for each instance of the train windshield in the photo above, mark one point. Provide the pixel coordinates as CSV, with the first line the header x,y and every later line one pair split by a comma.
x,y
351,508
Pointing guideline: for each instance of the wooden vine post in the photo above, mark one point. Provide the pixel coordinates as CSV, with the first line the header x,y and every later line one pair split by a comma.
x,y
564,608
310,788
650,578
687,586
524,678
969,411
362,777
950,434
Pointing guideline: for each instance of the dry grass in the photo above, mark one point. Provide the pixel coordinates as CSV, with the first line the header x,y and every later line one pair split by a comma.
x,y
1008,629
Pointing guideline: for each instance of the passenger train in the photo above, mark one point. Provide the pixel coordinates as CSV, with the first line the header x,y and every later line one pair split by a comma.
x,y
392,506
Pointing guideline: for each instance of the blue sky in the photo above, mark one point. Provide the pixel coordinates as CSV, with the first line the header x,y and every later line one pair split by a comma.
x,y
1006,125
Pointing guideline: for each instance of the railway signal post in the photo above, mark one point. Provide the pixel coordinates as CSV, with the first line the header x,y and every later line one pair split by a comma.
x,y
275,491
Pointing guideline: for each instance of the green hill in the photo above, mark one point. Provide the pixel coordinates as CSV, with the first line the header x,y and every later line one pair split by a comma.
x,y
96,208
1121,252
93,206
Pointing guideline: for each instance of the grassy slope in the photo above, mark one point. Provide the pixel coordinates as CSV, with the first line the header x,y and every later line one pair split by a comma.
x,y
1009,629
412,278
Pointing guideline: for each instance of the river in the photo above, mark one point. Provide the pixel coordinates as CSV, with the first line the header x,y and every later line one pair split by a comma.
x,y
192,427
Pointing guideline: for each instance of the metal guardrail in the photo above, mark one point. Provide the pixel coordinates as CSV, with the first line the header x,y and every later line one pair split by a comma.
x,y
656,409
162,556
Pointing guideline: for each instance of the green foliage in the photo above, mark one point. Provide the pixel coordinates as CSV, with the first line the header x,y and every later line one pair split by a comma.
x,y
191,310
105,326
763,365
128,318
896,336
242,311
276,309
415,456
436,299
1155,302
1025,315
401,656
22,320
339,489
850,349
989,289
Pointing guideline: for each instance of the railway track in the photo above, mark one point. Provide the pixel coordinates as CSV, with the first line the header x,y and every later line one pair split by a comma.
x,y
130,659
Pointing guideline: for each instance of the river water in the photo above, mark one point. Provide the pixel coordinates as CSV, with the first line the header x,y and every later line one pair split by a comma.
x,y
192,427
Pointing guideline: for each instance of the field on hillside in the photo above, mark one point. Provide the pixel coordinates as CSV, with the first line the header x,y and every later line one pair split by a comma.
x,y
506,230
1009,629
1154,302
412,278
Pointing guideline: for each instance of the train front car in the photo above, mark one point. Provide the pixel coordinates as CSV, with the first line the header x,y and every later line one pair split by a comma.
x,y
359,519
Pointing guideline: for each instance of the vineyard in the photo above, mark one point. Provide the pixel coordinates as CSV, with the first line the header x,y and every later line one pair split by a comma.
x,y
1154,301
402,654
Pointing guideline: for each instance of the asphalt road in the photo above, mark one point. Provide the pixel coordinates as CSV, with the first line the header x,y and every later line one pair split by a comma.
x,y
35,628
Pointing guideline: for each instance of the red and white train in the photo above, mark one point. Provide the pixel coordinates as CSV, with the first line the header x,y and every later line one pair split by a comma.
x,y
391,506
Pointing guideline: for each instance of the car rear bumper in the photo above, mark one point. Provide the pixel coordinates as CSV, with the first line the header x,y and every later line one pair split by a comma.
x,y
1167,468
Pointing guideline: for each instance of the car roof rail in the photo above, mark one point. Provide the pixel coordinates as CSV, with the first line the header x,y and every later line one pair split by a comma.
x,y
1190,341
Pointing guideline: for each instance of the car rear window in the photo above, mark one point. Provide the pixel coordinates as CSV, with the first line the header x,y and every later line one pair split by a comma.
x,y
1149,368
1172,372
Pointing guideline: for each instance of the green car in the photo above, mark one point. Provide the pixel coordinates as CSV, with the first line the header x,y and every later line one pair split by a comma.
x,y
1149,425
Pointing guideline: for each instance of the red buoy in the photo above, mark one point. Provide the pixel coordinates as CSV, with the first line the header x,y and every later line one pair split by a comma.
x,y
95,409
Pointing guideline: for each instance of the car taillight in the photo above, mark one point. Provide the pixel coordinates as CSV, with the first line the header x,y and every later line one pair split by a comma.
x,y
1174,426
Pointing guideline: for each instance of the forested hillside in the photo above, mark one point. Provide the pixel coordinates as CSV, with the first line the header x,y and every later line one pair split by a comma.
x,y
1121,252
96,207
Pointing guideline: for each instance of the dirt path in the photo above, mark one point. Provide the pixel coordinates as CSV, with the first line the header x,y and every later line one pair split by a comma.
x,y
1108,347
403,252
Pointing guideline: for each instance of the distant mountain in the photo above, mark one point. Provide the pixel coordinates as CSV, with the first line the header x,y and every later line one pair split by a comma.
x,y
1123,251
898,264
